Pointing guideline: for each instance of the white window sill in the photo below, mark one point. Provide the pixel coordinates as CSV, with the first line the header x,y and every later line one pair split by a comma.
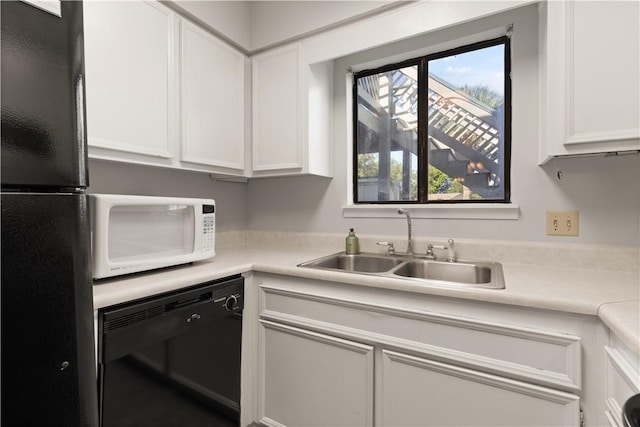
x,y
461,211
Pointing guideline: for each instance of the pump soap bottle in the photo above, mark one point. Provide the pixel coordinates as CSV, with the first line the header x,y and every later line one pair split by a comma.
x,y
352,245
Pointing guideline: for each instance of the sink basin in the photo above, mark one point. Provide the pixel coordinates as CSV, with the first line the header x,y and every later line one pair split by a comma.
x,y
447,271
355,263
424,271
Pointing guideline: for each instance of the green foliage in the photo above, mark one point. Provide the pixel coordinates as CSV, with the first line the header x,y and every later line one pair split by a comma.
x,y
367,165
438,181
485,95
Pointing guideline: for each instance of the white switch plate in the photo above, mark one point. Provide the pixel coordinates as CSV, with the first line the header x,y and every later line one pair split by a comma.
x,y
562,223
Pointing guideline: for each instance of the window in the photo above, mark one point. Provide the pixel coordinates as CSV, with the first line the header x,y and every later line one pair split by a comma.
x,y
435,129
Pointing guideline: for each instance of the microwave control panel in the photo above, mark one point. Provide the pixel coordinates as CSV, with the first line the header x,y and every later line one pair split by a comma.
x,y
208,227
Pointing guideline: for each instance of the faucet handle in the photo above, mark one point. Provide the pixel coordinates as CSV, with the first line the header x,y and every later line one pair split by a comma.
x,y
390,249
452,252
429,253
451,256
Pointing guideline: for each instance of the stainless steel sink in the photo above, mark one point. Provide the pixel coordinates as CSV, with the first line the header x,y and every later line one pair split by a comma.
x,y
448,271
428,272
361,263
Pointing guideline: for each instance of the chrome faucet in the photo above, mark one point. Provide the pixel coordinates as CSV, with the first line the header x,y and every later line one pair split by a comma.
x,y
409,244
451,256
452,252
430,255
390,249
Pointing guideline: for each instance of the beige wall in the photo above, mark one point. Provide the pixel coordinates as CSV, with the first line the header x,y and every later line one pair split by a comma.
x,y
275,21
117,178
605,190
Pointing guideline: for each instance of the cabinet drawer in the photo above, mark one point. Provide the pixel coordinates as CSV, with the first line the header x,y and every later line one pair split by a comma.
x,y
539,357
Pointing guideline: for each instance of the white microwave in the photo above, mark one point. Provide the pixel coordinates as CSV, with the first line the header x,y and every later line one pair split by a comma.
x,y
138,233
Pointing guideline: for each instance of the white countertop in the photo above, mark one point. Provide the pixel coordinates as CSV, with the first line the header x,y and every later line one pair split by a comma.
x,y
609,294
623,318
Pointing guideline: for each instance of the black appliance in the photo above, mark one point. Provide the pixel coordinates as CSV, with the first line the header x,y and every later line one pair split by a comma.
x,y
47,368
631,412
173,359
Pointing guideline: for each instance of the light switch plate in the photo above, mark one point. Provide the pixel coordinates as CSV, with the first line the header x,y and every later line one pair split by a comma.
x,y
562,223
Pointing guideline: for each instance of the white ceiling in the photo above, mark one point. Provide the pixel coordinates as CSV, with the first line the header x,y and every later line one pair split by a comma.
x,y
256,24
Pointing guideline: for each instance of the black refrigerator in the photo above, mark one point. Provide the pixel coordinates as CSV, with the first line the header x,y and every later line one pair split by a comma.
x,y
47,371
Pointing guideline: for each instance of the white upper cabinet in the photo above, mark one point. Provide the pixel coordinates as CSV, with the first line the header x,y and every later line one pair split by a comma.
x,y
130,87
590,77
291,114
277,114
213,101
162,91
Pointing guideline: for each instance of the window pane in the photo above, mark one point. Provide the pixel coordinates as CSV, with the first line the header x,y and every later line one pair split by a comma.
x,y
386,136
132,236
466,125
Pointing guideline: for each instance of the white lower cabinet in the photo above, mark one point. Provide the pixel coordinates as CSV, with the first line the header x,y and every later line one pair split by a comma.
x,y
312,379
622,379
335,355
417,391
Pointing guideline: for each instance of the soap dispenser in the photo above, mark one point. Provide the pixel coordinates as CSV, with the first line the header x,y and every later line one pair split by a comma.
x,y
352,245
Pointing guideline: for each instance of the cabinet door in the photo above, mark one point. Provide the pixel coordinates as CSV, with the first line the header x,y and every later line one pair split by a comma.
x,y
604,69
416,391
622,382
311,379
213,79
591,76
277,110
130,88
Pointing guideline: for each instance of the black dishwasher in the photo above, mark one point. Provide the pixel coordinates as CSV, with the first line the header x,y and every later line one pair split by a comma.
x,y
173,359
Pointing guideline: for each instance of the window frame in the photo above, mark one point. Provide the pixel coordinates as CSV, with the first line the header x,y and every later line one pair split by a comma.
x,y
422,128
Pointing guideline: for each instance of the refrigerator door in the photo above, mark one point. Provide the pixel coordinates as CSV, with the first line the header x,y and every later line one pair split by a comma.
x,y
48,363
43,117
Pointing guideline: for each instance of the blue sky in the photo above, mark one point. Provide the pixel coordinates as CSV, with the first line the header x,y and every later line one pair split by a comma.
x,y
479,67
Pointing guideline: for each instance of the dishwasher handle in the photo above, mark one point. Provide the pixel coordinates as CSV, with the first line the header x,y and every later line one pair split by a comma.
x,y
132,326
174,305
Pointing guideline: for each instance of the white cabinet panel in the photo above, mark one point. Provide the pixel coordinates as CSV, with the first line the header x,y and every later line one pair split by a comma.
x,y
590,71
622,379
292,104
421,392
161,91
213,102
277,110
130,86
432,368
604,70
312,379
526,354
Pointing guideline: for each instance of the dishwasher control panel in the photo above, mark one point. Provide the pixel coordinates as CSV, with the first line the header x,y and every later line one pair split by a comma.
x,y
159,317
